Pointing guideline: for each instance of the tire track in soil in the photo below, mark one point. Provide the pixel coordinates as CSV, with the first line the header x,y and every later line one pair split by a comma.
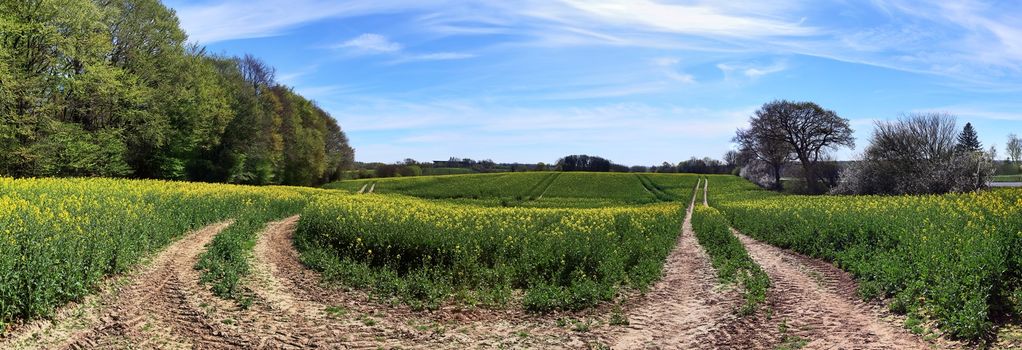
x,y
280,281
299,314
161,307
817,302
686,306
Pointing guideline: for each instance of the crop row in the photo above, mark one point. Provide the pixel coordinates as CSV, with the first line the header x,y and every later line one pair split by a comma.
x,y
423,252
954,258
727,254
60,237
522,189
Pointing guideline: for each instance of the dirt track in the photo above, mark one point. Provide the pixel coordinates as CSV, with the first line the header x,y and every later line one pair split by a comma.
x,y
817,302
164,306
156,306
684,307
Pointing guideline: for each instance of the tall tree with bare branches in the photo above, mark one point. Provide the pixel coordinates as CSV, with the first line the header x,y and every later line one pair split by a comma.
x,y
807,132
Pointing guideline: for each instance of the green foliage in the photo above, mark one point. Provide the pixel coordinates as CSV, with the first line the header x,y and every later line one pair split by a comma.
x,y
71,151
968,140
952,257
119,74
424,252
728,255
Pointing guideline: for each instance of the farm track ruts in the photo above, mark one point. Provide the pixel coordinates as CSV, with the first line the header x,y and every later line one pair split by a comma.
x,y
817,302
286,302
685,307
163,307
546,186
281,281
541,186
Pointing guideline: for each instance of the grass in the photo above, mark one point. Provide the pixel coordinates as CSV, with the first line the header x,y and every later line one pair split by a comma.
x,y
615,186
1007,178
530,189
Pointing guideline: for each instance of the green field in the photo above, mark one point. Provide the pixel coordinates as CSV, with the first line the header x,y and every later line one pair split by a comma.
x,y
456,242
569,240
541,240
60,237
530,189
1007,178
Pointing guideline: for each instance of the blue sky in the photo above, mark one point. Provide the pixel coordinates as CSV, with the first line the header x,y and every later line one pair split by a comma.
x,y
636,81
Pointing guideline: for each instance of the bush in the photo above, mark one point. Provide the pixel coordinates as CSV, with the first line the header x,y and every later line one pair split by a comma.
x,y
916,155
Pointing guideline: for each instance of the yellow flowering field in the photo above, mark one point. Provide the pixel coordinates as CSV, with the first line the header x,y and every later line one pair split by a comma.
x,y
422,252
954,258
59,237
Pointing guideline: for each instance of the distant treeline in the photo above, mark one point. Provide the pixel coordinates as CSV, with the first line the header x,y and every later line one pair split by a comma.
x,y
111,88
579,162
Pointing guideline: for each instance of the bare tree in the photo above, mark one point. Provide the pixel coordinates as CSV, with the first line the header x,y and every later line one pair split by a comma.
x,y
767,152
257,72
809,130
1014,148
916,154
806,131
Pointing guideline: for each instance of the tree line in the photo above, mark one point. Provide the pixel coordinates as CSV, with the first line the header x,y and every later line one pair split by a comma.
x,y
915,154
112,88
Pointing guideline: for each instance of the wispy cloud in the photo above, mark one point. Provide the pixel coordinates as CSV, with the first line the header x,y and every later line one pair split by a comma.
x,y
668,66
974,41
436,56
966,111
750,70
633,133
371,43
695,19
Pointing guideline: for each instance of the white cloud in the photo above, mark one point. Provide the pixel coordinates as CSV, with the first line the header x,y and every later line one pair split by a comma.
x,y
963,111
631,133
696,19
436,56
370,42
440,56
242,19
665,61
667,65
756,72
751,70
974,42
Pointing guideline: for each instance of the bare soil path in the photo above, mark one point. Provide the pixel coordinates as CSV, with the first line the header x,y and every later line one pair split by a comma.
x,y
280,282
817,301
156,306
164,307
685,307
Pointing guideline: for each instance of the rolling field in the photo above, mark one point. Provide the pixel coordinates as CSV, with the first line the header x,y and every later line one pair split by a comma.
x,y
423,251
569,258
531,189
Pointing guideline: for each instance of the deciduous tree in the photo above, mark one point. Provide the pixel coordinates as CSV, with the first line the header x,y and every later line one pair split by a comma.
x,y
806,131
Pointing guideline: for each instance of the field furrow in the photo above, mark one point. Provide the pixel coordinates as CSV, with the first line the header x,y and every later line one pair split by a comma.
x,y
157,308
816,311
685,306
